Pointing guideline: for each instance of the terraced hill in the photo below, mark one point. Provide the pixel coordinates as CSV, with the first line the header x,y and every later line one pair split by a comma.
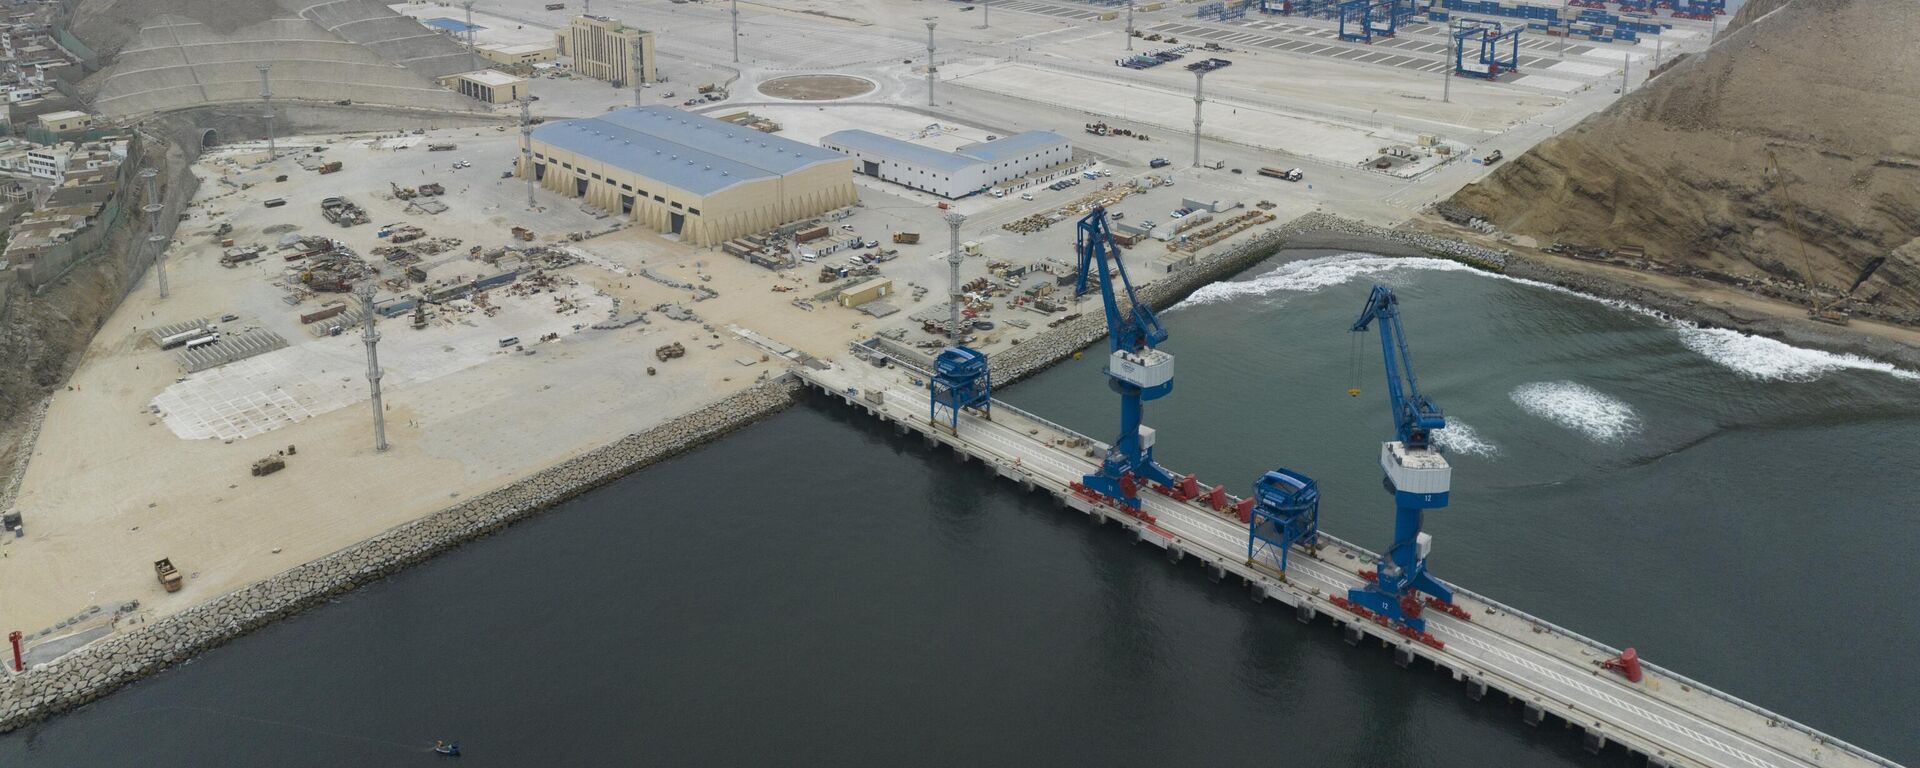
x,y
1680,167
176,54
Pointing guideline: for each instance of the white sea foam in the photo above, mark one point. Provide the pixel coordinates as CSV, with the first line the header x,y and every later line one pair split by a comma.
x,y
1309,275
1460,437
1578,407
1758,357
1755,357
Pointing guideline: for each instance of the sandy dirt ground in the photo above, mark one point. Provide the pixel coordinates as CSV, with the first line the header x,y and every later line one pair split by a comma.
x,y
140,460
113,485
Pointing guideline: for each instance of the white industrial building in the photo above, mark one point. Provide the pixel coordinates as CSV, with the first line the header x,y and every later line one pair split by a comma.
x,y
965,171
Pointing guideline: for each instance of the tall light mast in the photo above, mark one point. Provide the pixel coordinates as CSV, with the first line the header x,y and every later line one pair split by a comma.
x,y
954,220
930,25
155,240
266,102
364,291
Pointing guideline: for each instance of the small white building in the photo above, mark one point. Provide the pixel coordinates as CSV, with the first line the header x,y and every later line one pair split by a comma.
x,y
965,171
48,162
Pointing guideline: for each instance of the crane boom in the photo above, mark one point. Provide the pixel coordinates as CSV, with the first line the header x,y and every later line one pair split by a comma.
x,y
1414,416
1825,313
1137,329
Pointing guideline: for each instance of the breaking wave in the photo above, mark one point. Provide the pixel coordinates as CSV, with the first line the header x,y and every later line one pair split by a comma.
x,y
1459,437
1578,407
1755,357
1309,275
1758,357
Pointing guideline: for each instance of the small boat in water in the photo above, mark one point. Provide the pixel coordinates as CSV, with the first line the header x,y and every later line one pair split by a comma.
x,y
448,748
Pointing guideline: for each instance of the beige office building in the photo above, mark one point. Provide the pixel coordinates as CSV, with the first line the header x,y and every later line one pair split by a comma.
x,y
605,49
679,173
516,55
489,85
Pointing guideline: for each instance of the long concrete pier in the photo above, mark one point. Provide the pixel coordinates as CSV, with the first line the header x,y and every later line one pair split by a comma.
x,y
1669,719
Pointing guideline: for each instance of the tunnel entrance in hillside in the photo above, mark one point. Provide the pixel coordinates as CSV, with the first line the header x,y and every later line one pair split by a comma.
x,y
208,138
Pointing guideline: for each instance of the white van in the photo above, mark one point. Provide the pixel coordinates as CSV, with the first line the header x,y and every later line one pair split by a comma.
x,y
508,341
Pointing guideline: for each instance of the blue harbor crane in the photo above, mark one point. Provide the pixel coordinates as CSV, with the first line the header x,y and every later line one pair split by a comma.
x,y
961,379
1416,474
1135,369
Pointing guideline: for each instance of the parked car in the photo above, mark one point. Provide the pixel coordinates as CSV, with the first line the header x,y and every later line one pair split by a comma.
x,y
1026,195
1158,162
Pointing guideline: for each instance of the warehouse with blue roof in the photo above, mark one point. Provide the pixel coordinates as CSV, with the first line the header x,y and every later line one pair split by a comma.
x,y
971,168
702,179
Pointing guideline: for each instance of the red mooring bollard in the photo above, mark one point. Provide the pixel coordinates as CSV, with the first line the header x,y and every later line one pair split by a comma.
x,y
1627,664
14,638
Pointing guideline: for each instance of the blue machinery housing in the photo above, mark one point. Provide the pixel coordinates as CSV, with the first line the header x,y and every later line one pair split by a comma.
x,y
961,379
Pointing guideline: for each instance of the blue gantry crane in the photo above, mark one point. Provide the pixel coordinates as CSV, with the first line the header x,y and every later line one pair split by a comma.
x,y
1135,369
1489,61
1416,474
1363,20
961,379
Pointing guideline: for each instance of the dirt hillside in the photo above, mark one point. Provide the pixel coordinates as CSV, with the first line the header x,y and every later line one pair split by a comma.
x,y
1680,167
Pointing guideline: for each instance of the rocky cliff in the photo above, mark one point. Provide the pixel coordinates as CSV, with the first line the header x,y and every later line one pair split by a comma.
x,y
1681,169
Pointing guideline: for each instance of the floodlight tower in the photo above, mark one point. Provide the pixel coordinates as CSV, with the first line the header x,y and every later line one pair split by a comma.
x,y
1129,25
469,6
364,291
639,70
1199,97
526,146
930,24
154,238
266,102
954,220
736,31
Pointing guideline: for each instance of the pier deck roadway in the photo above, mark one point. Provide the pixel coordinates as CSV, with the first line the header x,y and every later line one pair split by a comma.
x,y
1671,720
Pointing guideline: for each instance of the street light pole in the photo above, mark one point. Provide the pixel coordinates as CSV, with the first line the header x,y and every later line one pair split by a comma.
x,y
1129,25
736,31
